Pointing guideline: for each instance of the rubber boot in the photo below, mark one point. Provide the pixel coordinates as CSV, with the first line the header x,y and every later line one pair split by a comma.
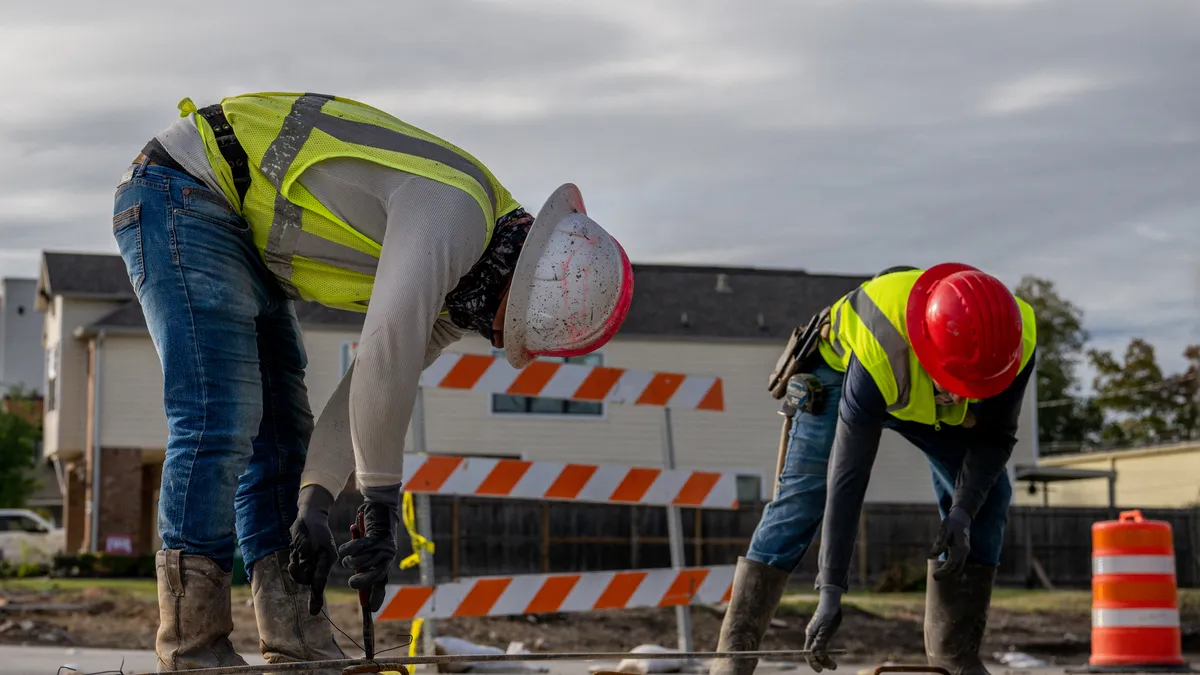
x,y
287,633
956,612
194,613
757,589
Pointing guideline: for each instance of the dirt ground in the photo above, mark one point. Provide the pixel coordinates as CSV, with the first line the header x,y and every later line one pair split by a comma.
x,y
888,629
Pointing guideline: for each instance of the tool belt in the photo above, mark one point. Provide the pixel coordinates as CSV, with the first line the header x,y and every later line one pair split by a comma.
x,y
231,150
801,355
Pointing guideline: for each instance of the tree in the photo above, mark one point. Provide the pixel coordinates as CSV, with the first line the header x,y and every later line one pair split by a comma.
x,y
1141,405
1068,419
18,459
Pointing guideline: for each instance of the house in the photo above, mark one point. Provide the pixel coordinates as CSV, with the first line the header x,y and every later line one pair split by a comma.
x,y
106,389
1163,476
21,357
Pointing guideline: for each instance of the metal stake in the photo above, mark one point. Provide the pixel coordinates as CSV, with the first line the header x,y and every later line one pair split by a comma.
x,y
683,613
424,522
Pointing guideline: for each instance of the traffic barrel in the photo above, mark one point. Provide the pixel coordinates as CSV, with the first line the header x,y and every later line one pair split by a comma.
x,y
1135,610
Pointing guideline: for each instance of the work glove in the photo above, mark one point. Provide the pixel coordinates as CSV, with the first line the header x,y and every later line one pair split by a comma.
x,y
313,549
822,627
372,555
954,539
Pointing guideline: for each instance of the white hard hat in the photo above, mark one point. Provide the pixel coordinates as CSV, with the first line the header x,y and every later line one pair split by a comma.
x,y
572,286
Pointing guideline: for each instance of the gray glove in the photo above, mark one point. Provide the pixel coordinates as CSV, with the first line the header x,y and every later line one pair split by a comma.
x,y
313,549
954,539
822,627
372,556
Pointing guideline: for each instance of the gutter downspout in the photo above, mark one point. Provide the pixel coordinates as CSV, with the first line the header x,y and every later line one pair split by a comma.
x,y
96,362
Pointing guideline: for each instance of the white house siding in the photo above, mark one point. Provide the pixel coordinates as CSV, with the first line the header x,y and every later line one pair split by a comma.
x,y
51,335
131,394
69,420
743,438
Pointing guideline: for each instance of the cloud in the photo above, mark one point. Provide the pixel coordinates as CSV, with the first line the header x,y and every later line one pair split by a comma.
x,y
1057,139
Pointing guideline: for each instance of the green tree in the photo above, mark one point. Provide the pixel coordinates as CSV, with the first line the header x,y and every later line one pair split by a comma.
x,y
1067,420
1141,405
18,459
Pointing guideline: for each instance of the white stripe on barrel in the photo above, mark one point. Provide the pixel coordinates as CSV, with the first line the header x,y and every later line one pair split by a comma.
x,y
1135,618
1133,564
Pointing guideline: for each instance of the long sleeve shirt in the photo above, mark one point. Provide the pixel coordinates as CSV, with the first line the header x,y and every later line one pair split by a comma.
x,y
431,235
862,416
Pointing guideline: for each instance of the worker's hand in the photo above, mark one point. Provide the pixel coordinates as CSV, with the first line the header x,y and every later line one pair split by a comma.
x,y
313,548
954,539
822,627
372,555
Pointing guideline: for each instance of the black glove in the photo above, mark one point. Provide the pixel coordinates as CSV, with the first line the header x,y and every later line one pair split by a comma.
x,y
822,627
954,539
372,556
313,548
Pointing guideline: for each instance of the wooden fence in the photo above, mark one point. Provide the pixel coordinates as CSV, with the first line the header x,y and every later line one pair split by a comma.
x,y
476,537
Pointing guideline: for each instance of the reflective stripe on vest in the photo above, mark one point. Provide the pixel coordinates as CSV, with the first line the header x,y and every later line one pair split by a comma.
x,y
294,232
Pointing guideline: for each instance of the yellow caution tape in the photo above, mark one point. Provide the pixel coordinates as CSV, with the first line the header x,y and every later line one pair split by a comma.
x,y
419,543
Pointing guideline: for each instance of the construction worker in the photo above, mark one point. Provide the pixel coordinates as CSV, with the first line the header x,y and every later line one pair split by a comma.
x,y
237,210
943,357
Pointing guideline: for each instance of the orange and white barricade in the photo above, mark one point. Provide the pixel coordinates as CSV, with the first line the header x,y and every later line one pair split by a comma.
x,y
552,593
1135,611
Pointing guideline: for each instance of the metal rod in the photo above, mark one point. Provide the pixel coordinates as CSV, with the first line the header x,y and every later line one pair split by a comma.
x,y
424,521
477,658
94,504
683,613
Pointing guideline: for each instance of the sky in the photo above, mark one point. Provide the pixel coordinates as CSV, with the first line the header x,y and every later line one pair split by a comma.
x,y
1059,138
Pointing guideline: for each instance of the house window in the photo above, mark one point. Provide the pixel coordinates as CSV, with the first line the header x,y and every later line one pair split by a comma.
x,y
749,489
52,378
503,404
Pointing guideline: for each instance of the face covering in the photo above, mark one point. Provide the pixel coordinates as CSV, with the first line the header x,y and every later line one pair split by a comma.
x,y
475,300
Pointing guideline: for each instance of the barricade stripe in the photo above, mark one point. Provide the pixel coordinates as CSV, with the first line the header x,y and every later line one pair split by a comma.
x,y
714,399
685,587
433,473
599,383
497,378
538,480
690,392
660,389
1135,618
629,386
504,477
1133,564
666,487
567,381
634,485
552,595
519,593
716,585
407,603
468,475
603,483
696,489
533,379
482,597
653,586
571,481
466,371
1133,592
723,493
587,592
616,595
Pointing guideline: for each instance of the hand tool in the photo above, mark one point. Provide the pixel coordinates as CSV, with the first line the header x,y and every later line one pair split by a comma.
x,y
357,530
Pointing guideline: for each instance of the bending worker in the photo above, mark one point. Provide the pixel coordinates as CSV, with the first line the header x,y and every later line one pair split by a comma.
x,y
943,357
239,209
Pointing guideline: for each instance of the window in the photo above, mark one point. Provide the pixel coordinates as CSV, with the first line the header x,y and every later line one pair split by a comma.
x,y
52,378
26,524
749,489
503,404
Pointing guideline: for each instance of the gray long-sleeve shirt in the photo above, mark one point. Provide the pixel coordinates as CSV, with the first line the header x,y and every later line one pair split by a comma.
x,y
862,417
431,235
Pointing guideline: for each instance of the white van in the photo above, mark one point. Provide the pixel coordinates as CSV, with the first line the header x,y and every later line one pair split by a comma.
x,y
26,537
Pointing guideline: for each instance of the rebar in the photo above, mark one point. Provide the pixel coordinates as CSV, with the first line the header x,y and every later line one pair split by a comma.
x,y
352,666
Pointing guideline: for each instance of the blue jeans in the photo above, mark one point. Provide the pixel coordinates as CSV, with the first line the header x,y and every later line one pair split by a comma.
x,y
233,365
791,521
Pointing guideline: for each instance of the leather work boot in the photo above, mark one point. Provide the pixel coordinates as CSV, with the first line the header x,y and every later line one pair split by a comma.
x,y
287,633
956,612
194,614
757,589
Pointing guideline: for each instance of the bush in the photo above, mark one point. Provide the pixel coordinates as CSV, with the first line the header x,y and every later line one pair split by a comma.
x,y
89,566
902,578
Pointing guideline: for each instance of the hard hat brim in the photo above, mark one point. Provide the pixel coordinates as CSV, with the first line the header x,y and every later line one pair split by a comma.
x,y
926,352
562,202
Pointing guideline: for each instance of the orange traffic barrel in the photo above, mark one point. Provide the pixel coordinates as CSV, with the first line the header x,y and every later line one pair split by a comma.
x,y
1135,610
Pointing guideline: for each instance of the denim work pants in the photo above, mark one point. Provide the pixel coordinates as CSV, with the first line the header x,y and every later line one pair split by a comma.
x,y
791,521
233,365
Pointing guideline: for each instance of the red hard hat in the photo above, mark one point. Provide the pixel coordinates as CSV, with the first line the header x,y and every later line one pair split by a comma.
x,y
965,328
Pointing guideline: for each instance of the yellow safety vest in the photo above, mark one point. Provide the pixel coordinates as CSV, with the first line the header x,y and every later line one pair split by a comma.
x,y
313,253
869,323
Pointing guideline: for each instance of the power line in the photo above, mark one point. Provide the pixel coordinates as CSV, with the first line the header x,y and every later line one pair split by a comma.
x,y
1058,402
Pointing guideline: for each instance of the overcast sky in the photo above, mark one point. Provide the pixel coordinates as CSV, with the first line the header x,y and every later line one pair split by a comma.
x,y
1027,137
